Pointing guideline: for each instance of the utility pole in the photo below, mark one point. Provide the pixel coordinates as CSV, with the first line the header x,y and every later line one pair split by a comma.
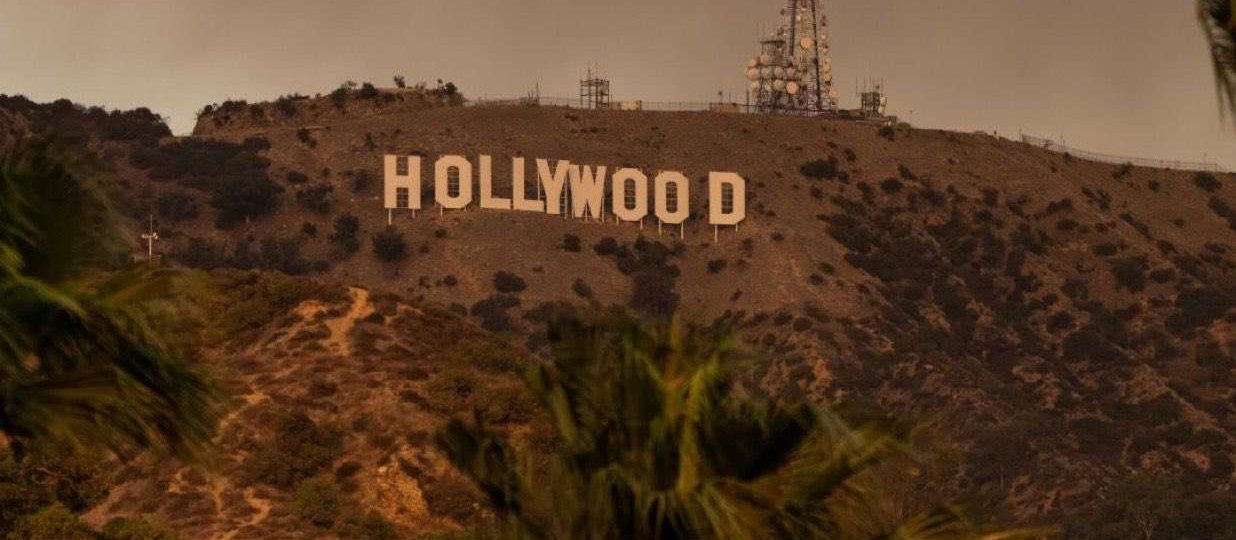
x,y
150,237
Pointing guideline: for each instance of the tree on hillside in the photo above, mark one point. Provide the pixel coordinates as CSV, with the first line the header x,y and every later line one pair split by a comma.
x,y
654,443
79,362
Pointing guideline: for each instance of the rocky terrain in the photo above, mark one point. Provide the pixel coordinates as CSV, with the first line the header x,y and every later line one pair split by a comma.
x,y
1071,321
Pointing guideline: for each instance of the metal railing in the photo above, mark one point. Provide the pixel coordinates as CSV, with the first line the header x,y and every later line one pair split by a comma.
x,y
668,106
1053,146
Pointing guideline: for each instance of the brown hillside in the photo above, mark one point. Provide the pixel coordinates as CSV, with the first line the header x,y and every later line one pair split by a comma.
x,y
1074,318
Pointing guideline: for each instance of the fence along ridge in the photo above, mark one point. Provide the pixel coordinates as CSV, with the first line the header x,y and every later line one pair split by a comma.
x,y
1053,146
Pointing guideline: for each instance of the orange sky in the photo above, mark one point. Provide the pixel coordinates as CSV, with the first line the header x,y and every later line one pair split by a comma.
x,y
1120,76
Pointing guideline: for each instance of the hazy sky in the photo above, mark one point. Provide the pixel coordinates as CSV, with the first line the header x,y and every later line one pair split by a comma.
x,y
1119,76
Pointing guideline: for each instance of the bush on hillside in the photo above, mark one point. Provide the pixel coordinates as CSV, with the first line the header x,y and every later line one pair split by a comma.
x,y
389,246
571,243
1207,182
507,282
240,199
493,312
176,206
316,197
347,233
297,177
137,529
820,169
319,502
298,448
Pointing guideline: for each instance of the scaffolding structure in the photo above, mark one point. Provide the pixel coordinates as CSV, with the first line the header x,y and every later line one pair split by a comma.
x,y
794,72
874,100
594,92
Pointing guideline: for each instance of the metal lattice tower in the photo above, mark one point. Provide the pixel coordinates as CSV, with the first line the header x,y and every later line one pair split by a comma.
x,y
594,92
794,72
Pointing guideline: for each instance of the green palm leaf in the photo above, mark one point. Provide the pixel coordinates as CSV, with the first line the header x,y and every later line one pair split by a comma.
x,y
78,360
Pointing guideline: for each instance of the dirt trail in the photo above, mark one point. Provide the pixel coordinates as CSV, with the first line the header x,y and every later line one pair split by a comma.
x,y
340,327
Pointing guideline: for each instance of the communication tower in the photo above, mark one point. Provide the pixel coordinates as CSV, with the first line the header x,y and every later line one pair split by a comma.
x,y
794,72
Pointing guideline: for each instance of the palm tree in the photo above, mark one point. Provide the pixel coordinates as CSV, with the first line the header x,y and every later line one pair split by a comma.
x,y
1219,25
79,363
656,443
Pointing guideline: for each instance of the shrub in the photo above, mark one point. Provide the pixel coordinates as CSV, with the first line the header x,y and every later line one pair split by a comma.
x,y
304,136
888,133
309,229
318,502
1130,272
296,177
137,529
716,265
287,104
347,233
1207,182
492,312
1122,171
1223,210
361,180
891,185
54,522
176,206
607,246
389,245
571,243
256,144
316,197
367,91
820,169
507,282
298,448
243,199
581,289
200,253
282,254
339,96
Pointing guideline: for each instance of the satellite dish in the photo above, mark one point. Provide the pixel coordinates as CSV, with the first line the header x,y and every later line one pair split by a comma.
x,y
828,77
766,86
832,93
753,62
828,61
779,85
753,74
791,87
765,59
755,85
806,43
779,72
766,72
791,73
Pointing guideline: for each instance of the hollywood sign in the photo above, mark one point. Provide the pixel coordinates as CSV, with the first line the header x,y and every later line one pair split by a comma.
x,y
581,191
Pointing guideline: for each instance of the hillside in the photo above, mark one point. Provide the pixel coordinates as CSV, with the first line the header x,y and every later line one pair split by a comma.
x,y
1071,320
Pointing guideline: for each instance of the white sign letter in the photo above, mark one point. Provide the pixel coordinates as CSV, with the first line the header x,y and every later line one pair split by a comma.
x,y
682,206
552,183
719,212
587,191
517,189
635,207
442,177
410,183
487,187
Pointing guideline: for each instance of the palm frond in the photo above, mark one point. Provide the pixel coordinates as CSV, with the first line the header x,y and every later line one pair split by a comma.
x,y
1219,27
